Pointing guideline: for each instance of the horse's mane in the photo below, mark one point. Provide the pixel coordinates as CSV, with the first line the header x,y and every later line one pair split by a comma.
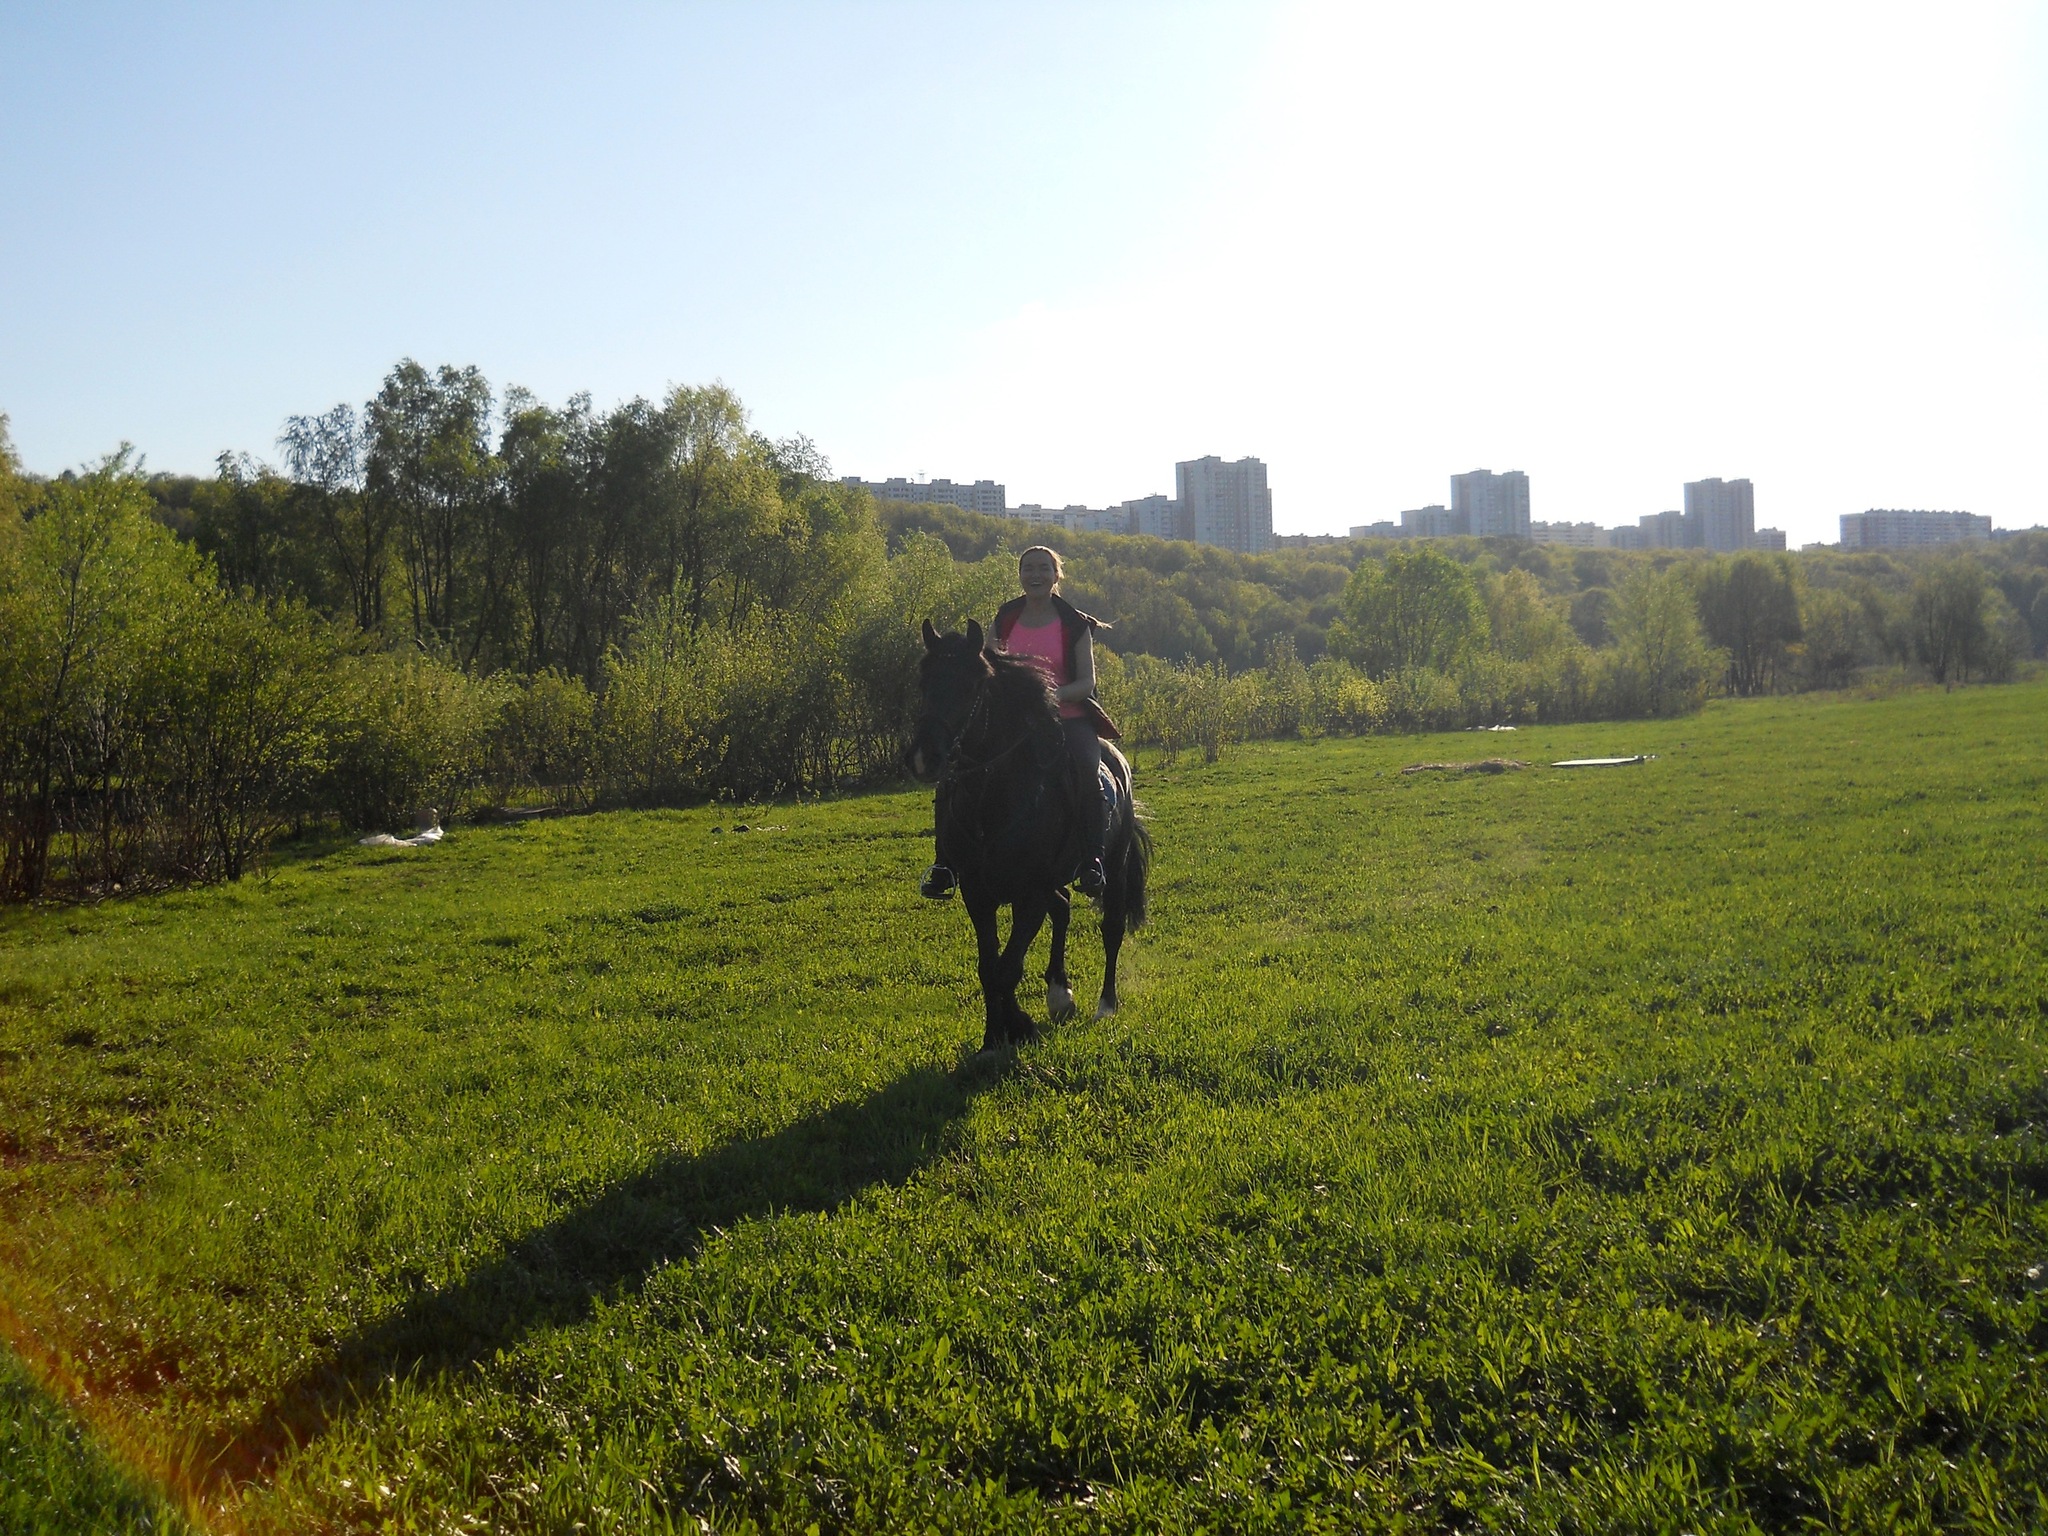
x,y
1024,692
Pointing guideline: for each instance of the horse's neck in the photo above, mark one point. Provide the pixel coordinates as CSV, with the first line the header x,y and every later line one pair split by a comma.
x,y
1007,740
1002,740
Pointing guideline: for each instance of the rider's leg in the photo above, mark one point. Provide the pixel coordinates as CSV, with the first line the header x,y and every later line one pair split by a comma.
x,y
1084,763
939,880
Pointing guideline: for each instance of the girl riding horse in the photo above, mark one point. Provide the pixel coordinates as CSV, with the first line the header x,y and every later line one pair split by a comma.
x,y
1058,637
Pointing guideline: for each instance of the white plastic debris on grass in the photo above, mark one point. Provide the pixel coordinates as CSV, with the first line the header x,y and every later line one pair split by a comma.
x,y
427,832
418,840
1605,762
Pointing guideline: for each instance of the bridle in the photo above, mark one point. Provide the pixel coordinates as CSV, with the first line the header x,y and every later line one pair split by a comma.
x,y
956,771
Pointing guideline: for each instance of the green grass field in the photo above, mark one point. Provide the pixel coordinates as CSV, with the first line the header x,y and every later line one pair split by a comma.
x,y
1657,1148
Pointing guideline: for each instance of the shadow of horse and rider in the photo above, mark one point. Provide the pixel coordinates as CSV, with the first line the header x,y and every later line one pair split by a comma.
x,y
608,1248
988,736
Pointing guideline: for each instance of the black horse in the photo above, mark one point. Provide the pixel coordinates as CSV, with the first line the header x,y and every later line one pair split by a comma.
x,y
988,733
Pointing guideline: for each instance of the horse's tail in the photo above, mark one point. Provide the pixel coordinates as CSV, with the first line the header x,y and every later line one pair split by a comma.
x,y
1137,870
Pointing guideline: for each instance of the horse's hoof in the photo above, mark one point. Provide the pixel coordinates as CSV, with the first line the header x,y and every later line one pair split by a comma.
x,y
1059,1004
1105,1008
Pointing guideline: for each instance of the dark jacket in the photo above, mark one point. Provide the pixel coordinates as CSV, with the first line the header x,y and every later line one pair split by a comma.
x,y
1073,625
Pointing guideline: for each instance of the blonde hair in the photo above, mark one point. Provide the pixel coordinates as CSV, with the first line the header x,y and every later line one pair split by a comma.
x,y
1059,570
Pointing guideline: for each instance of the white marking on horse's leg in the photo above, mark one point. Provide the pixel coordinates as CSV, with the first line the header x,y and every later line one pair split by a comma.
x,y
1059,1001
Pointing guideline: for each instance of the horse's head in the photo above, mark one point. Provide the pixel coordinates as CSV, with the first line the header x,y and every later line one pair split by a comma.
x,y
948,678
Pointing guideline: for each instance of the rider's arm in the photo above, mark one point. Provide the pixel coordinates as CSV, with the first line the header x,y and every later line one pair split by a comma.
x,y
1083,685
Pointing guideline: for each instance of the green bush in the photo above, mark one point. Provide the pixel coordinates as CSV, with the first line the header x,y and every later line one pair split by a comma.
x,y
153,727
408,733
1194,704
743,712
250,732
542,739
1343,700
1423,699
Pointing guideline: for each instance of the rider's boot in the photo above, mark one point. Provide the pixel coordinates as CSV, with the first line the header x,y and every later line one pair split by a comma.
x,y
1091,881
938,883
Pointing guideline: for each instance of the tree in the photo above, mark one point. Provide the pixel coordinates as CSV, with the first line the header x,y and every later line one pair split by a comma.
x,y
14,486
2006,639
1525,623
543,452
1157,620
325,456
1418,608
431,470
1589,615
251,523
718,495
1837,635
1750,608
92,603
1949,633
1662,663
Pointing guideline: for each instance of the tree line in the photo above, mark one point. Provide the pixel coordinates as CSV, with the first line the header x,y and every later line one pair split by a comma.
x,y
645,607
445,597
532,546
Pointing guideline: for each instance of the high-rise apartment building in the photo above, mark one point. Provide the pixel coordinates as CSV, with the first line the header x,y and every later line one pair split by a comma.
x,y
1572,535
1432,522
1719,514
1490,506
1098,519
1910,530
981,496
1691,529
1158,516
1077,518
1032,512
1653,530
1226,504
1666,530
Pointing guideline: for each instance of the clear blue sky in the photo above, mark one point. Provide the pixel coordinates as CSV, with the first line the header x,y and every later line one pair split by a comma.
x,y
1064,246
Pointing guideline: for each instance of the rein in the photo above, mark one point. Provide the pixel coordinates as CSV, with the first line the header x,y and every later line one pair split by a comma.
x,y
955,771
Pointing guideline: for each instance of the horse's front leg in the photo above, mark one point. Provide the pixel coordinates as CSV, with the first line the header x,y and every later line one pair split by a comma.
x,y
989,957
1027,916
1059,994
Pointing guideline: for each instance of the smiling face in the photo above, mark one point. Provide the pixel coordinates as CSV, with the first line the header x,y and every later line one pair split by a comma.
x,y
1037,573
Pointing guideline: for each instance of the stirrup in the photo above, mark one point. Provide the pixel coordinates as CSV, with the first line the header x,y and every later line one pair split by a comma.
x,y
1092,881
937,884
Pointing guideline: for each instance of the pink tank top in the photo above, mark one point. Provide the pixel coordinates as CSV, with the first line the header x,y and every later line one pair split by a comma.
x,y
1047,646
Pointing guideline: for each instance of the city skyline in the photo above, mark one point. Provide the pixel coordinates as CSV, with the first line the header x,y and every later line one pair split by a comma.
x,y
615,202
1717,516
1223,503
